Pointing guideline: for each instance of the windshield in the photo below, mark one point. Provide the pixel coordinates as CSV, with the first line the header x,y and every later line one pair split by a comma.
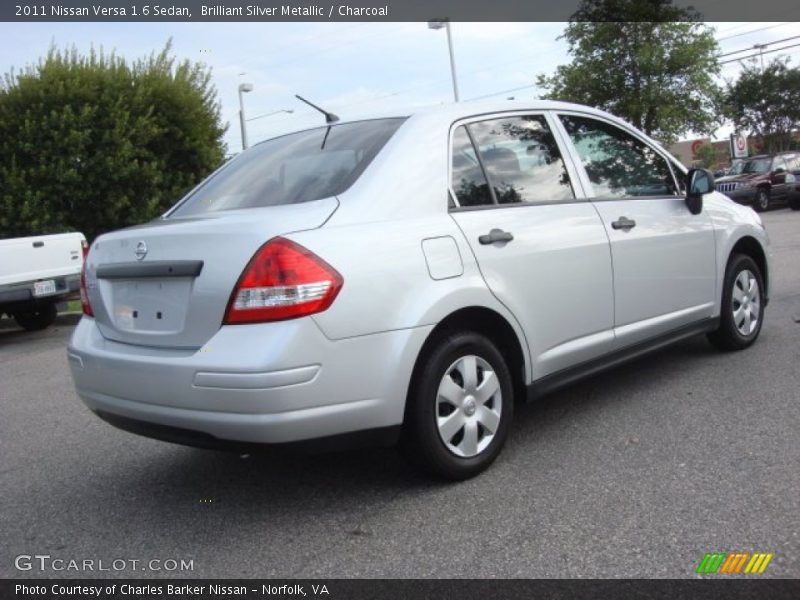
x,y
736,168
759,165
299,167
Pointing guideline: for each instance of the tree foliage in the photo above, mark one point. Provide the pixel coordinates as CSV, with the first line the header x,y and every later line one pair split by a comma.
x,y
707,156
656,69
94,143
766,103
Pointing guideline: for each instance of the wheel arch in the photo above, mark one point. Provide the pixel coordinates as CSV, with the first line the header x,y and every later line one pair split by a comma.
x,y
491,324
750,246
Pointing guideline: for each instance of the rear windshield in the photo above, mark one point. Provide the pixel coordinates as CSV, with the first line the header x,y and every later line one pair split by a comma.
x,y
299,167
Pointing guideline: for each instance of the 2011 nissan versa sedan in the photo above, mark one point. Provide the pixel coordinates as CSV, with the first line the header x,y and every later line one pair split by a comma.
x,y
406,279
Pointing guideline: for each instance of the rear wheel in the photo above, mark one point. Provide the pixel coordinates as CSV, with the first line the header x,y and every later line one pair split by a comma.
x,y
38,318
762,200
794,202
459,408
742,305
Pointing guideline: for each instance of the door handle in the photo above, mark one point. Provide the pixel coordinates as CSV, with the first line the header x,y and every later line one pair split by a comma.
x,y
495,235
624,223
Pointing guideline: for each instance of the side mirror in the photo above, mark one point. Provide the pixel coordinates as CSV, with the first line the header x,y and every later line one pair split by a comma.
x,y
698,183
779,170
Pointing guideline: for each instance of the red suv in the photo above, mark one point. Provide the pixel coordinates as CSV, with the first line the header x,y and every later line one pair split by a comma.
x,y
765,180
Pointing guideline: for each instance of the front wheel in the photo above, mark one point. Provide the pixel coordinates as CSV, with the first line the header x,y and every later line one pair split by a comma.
x,y
794,202
742,305
762,200
38,318
459,407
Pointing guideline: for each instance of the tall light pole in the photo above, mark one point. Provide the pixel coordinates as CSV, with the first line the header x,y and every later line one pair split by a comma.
x,y
243,88
445,23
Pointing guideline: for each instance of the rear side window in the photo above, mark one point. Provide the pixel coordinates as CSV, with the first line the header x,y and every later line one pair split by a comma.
x,y
299,167
618,164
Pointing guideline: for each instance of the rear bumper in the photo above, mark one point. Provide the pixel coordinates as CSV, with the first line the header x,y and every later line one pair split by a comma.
x,y
21,294
272,383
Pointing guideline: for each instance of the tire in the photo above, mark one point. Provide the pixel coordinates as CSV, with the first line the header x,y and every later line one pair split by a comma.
x,y
794,202
39,318
737,331
762,201
473,446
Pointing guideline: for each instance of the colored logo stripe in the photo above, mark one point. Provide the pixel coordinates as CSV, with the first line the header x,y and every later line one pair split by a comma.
x,y
758,563
733,562
711,562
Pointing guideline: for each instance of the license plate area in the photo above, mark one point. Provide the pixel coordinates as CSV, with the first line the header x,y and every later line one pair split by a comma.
x,y
44,288
146,305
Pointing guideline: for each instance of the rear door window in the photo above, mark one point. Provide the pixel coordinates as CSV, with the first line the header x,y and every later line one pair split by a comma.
x,y
299,167
517,161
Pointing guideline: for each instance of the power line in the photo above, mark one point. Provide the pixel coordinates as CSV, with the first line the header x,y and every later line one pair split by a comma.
x,y
758,54
753,31
757,46
517,89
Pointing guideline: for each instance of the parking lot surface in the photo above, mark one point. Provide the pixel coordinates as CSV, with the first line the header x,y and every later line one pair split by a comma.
x,y
635,473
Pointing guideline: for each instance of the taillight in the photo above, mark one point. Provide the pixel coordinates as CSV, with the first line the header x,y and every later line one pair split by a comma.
x,y
85,305
283,280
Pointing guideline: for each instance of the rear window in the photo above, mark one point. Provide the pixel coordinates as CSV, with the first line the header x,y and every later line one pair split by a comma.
x,y
299,167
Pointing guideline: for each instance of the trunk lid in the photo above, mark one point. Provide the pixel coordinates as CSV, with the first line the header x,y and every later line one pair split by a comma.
x,y
167,283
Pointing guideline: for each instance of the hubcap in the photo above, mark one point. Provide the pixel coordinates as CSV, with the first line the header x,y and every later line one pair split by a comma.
x,y
763,199
468,406
746,302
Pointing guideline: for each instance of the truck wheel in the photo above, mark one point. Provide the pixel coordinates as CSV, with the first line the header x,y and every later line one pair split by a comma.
x,y
794,202
459,407
39,318
742,305
762,200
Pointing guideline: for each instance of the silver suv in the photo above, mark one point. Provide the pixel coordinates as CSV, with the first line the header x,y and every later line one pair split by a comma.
x,y
407,279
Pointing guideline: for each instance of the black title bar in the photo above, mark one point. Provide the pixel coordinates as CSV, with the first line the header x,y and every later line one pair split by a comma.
x,y
359,10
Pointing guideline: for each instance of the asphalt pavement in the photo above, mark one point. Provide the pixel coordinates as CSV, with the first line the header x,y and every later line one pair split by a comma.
x,y
634,473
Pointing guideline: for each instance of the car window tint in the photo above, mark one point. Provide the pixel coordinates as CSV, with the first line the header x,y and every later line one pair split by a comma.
x,y
618,164
522,160
469,182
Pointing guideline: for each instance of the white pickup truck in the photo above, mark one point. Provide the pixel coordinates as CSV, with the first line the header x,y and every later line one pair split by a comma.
x,y
36,272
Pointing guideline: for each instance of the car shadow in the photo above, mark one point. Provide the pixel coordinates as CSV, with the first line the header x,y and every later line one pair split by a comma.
x,y
10,332
287,482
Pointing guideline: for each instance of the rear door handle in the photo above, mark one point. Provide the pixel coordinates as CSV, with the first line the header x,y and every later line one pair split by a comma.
x,y
624,223
495,235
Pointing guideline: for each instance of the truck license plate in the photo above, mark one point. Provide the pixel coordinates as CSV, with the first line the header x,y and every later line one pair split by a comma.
x,y
44,288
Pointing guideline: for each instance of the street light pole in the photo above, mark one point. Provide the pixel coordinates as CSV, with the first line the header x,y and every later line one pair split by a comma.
x,y
439,24
243,88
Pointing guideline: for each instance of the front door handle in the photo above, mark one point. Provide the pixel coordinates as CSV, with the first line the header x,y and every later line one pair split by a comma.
x,y
624,223
495,235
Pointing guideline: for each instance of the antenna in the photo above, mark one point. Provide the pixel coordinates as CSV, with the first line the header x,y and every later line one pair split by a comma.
x,y
329,116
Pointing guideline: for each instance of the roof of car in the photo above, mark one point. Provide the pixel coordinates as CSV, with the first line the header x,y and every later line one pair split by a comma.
x,y
459,110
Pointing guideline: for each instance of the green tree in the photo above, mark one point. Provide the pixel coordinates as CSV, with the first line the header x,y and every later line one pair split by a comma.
x,y
656,69
94,143
766,103
707,156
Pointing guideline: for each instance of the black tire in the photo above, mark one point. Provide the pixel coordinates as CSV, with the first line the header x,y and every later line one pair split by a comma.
x,y
794,202
728,336
762,201
39,318
420,441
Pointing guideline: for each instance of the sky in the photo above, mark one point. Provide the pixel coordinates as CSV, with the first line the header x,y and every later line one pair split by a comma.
x,y
352,69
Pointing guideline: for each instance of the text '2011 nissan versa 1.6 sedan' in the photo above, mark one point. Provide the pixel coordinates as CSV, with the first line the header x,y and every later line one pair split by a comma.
x,y
407,279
